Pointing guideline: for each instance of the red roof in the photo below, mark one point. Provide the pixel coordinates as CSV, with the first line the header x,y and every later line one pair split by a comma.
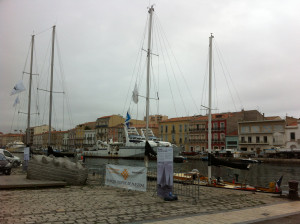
x,y
105,117
294,123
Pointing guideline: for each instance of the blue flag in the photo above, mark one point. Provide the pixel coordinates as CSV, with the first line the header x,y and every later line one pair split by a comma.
x,y
127,119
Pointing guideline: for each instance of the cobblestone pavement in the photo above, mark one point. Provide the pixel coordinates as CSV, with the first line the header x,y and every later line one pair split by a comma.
x,y
101,204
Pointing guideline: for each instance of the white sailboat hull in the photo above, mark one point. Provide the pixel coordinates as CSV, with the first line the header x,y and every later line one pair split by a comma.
x,y
137,152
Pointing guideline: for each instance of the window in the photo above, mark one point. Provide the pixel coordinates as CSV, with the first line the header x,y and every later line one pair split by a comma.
x,y
249,139
6,153
215,136
173,138
257,139
166,129
243,139
222,136
265,139
180,128
180,140
215,125
222,125
293,136
173,128
161,129
185,128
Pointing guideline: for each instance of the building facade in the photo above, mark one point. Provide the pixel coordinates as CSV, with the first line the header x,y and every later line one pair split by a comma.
x,y
292,135
104,123
175,130
257,136
89,138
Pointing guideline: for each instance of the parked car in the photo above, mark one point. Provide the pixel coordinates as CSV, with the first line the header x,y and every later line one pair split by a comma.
x,y
14,160
5,165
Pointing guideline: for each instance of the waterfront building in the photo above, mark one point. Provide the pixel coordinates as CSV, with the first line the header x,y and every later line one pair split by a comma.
x,y
71,138
106,122
232,140
10,138
65,143
198,138
79,136
223,125
175,130
257,136
292,134
38,141
156,118
41,129
89,138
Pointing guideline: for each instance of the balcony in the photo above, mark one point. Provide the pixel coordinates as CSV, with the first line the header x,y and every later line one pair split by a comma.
x,y
197,129
218,129
102,126
197,140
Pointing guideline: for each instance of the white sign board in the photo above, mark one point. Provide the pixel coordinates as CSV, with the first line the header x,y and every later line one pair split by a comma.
x,y
128,177
26,153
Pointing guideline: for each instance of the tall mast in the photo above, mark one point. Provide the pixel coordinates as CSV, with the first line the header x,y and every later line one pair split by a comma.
x,y
151,10
29,94
51,86
209,105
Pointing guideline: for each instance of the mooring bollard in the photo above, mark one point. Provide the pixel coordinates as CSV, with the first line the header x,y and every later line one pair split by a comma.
x,y
293,190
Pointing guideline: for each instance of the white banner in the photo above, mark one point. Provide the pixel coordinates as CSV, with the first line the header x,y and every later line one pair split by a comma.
x,y
129,177
164,171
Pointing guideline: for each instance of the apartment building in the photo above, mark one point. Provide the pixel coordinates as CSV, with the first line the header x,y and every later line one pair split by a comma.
x,y
175,130
257,136
198,136
292,135
156,118
223,125
89,138
10,138
104,123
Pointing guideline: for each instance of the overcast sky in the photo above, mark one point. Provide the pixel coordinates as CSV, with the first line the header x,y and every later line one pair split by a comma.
x,y
99,43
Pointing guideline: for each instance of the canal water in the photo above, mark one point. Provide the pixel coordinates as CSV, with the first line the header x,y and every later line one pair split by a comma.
x,y
259,174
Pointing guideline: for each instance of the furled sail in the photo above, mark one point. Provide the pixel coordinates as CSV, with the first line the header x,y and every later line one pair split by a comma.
x,y
19,87
135,95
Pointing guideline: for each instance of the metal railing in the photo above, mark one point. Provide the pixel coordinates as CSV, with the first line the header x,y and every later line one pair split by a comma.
x,y
184,184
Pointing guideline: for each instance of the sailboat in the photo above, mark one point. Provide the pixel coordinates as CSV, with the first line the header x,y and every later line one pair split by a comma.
x,y
28,136
135,143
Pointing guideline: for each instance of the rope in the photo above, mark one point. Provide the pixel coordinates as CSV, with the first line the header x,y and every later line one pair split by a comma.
x,y
222,61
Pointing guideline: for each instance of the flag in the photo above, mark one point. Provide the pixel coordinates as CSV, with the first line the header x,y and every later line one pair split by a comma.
x,y
17,101
19,87
135,95
278,183
128,117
